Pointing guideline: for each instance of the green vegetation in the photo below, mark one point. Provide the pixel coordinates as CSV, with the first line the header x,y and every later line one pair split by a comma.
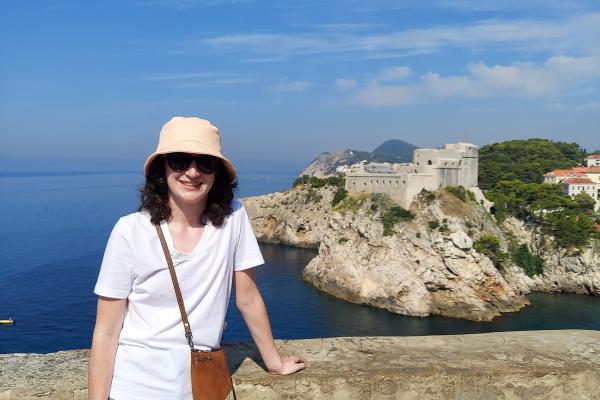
x,y
525,160
339,195
351,203
314,182
457,191
531,264
511,173
428,196
570,221
379,201
433,224
392,215
389,212
312,196
489,245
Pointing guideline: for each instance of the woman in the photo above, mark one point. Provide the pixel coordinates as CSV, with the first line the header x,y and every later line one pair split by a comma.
x,y
139,350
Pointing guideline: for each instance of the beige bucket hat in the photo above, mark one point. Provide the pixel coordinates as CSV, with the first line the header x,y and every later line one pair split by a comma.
x,y
190,135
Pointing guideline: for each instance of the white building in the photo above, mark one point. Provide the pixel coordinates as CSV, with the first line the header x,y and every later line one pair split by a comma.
x,y
573,186
593,160
453,165
577,180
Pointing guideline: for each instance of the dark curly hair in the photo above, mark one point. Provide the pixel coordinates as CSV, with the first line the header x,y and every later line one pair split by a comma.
x,y
155,195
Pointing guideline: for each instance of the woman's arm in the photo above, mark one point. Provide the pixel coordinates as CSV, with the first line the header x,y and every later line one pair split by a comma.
x,y
250,303
109,321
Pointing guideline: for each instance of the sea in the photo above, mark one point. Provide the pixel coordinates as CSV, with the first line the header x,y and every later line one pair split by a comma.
x,y
55,227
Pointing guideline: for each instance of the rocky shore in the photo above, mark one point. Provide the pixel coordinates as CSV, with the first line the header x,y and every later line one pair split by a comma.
x,y
427,265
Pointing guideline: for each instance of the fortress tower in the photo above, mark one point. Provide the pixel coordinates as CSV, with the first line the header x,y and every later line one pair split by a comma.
x,y
453,165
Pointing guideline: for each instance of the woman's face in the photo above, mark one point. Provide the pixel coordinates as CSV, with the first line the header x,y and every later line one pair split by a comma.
x,y
190,186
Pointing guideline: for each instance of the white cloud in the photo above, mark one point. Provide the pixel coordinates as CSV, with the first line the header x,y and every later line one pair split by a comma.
x,y
199,79
182,76
556,76
395,73
589,106
186,4
291,86
345,84
577,34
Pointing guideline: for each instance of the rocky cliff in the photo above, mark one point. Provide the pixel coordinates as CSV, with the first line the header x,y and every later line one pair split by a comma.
x,y
570,271
422,266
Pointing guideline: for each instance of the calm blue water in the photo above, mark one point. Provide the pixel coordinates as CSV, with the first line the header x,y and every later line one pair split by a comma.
x,y
55,228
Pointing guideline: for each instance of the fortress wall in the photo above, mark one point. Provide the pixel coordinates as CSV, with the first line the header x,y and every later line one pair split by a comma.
x,y
532,365
416,183
454,165
391,184
425,157
447,176
469,156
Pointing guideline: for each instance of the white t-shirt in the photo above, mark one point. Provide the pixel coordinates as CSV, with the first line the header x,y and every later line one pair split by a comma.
x,y
153,357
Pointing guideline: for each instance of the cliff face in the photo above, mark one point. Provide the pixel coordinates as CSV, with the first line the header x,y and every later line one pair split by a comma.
x,y
564,271
426,266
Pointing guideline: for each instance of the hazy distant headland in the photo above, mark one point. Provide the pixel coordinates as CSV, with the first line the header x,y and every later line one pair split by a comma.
x,y
467,251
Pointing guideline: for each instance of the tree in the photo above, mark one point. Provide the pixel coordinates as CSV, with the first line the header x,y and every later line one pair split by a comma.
x,y
585,203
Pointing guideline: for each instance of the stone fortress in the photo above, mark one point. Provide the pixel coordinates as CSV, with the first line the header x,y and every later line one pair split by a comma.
x,y
454,164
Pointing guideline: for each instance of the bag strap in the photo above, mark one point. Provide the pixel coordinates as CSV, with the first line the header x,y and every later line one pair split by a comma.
x,y
184,318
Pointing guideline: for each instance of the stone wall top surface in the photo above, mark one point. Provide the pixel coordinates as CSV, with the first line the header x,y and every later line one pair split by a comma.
x,y
504,365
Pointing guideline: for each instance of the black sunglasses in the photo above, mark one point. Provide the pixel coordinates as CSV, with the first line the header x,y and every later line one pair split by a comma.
x,y
181,161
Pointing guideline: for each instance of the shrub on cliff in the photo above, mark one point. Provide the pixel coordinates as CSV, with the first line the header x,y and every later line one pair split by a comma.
x,y
314,182
457,191
392,215
339,195
312,196
531,264
489,245
351,203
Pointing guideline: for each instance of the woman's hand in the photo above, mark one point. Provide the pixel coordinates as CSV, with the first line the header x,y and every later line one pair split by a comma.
x,y
289,365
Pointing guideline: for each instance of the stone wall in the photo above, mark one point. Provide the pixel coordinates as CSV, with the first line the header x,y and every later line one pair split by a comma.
x,y
504,365
453,165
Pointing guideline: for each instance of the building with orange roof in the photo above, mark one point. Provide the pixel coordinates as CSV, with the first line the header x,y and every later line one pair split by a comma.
x,y
573,186
558,175
591,172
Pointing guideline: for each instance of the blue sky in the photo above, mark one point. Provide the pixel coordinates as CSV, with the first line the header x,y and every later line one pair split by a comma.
x,y
87,85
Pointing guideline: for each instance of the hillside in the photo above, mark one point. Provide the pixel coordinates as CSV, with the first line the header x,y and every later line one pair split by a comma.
x,y
525,160
394,151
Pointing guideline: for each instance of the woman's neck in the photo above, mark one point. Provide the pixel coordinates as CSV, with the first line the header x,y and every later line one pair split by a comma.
x,y
186,214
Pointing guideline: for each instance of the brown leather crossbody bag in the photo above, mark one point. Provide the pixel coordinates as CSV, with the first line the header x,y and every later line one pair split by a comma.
x,y
209,370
